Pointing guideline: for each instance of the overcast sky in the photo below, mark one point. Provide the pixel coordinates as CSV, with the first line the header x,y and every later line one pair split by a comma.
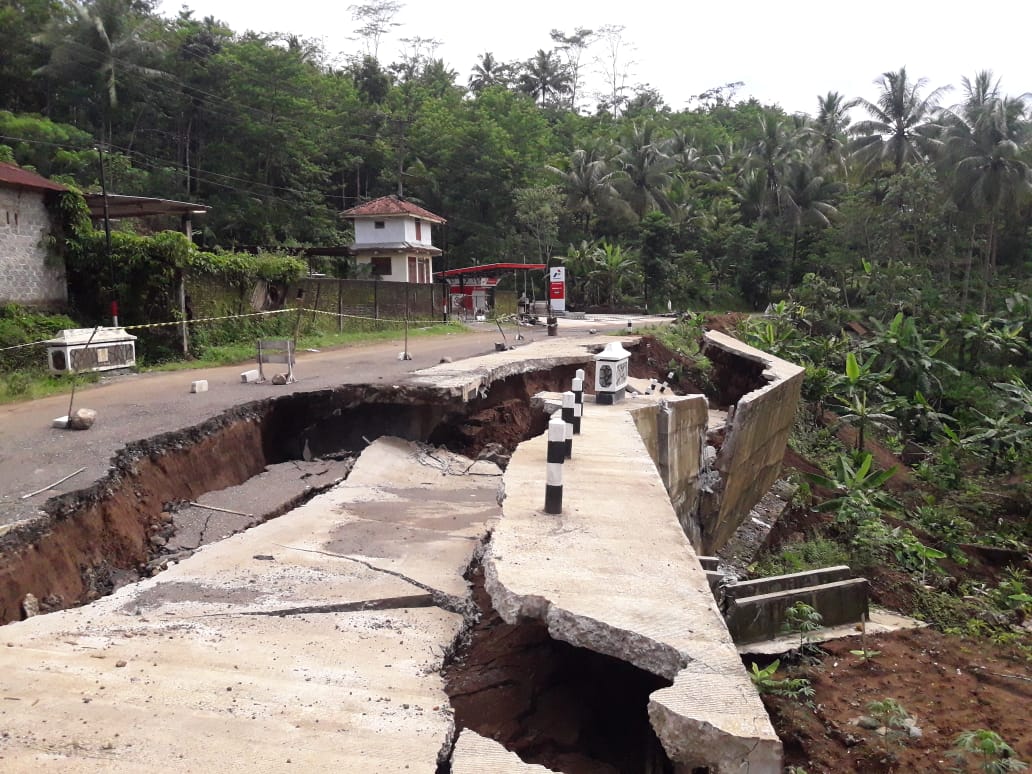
x,y
785,53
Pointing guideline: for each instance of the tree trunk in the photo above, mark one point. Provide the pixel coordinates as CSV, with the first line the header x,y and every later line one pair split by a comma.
x,y
967,270
990,262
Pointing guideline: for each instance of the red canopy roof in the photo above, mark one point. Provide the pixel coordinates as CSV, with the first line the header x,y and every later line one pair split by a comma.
x,y
491,269
15,175
388,206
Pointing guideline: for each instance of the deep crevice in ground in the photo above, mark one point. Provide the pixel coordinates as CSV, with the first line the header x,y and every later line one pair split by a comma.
x,y
553,704
99,538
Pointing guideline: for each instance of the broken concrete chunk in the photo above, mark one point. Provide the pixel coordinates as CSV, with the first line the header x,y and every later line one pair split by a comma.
x,y
30,606
250,377
82,419
201,385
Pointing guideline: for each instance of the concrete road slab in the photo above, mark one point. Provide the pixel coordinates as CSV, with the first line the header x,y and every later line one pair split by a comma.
x,y
298,645
615,573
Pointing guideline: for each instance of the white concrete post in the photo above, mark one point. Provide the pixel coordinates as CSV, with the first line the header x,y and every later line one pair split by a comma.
x,y
578,398
554,465
612,367
569,404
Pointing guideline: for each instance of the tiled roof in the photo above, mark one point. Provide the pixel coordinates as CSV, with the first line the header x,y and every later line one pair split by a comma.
x,y
387,206
11,174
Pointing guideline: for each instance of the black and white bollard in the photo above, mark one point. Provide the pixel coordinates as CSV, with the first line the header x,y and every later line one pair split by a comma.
x,y
554,466
578,400
569,406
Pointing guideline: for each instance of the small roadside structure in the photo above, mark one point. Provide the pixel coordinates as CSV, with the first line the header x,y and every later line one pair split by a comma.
x,y
393,237
31,273
471,288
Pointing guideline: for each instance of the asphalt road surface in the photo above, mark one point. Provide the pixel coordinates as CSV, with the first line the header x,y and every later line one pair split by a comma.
x,y
132,407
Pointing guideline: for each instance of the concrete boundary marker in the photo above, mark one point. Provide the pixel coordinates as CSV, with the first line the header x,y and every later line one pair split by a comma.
x,y
554,465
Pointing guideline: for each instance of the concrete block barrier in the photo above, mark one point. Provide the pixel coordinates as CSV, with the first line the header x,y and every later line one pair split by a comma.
x,y
761,617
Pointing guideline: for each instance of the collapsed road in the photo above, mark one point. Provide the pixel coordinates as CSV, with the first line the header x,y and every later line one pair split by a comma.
x,y
353,632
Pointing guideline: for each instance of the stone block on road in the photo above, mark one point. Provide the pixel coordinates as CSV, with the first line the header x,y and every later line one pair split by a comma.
x,y
82,419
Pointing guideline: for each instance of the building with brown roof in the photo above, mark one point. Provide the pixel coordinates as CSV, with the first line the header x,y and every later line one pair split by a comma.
x,y
31,272
393,238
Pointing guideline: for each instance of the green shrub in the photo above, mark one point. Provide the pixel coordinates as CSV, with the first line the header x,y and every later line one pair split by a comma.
x,y
811,554
19,325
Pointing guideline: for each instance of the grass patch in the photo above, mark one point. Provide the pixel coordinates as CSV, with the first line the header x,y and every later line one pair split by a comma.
x,y
233,354
812,554
31,384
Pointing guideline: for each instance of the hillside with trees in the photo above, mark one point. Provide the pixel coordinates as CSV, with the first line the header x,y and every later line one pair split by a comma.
x,y
883,242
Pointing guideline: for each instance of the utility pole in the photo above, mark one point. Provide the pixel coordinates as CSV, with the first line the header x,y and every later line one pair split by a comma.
x,y
107,236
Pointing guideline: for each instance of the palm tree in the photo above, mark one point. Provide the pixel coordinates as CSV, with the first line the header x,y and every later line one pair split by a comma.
x,y
900,130
488,71
828,130
102,37
773,154
544,78
984,138
588,184
646,170
807,198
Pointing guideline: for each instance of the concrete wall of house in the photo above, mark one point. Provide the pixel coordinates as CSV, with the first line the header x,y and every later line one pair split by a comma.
x,y
749,461
399,267
393,230
27,275
674,432
424,232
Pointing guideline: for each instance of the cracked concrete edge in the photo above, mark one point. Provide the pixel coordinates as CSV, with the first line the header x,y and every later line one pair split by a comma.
x,y
465,382
580,631
475,754
707,741
690,734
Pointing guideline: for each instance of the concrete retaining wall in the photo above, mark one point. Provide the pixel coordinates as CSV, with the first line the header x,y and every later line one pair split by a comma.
x,y
750,459
28,274
752,619
674,432
795,580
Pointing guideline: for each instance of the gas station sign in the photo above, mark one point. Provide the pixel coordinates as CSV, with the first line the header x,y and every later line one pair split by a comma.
x,y
557,288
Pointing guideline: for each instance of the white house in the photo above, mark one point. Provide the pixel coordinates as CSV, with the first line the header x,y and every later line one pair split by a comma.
x,y
393,237
31,273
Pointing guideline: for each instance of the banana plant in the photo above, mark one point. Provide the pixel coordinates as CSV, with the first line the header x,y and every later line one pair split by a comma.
x,y
858,484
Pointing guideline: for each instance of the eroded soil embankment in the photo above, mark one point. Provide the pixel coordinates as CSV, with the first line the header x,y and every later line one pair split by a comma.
x,y
91,540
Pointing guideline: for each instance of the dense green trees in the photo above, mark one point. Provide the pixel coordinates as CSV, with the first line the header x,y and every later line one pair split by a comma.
x,y
729,202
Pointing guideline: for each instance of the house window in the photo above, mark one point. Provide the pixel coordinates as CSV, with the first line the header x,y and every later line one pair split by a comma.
x,y
419,231
381,265
379,224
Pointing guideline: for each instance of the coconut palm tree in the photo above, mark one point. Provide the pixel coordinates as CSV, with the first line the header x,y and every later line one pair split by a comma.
x,y
646,170
773,155
588,184
828,130
900,130
983,150
544,78
104,38
488,71
807,201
